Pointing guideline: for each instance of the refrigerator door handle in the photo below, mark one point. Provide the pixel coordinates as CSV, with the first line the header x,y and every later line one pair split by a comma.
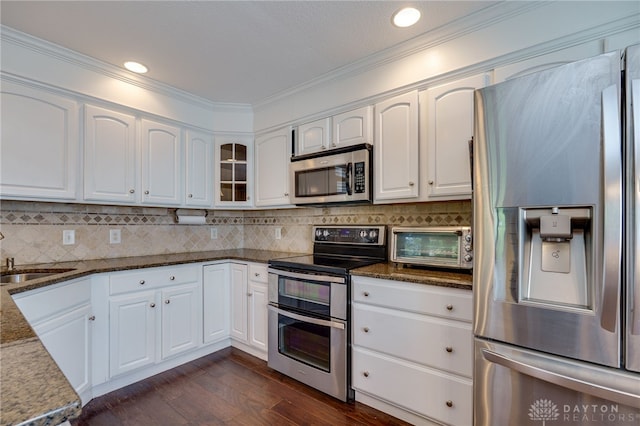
x,y
577,384
612,176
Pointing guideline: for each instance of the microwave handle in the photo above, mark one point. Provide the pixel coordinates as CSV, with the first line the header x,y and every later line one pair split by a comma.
x,y
350,179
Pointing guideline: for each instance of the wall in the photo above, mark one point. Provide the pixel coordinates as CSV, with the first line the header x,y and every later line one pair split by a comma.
x,y
33,231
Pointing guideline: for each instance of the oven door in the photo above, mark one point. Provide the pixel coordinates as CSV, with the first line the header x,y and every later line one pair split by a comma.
x,y
309,349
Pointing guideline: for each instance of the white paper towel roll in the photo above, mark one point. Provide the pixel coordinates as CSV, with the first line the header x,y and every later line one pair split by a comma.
x,y
191,220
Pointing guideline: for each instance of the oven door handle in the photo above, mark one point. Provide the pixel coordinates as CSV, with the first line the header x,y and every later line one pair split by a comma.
x,y
311,277
303,318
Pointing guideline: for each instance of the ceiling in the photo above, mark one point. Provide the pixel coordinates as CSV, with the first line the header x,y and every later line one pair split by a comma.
x,y
231,51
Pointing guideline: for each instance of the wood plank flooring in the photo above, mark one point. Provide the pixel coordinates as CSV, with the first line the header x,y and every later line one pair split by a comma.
x,y
228,387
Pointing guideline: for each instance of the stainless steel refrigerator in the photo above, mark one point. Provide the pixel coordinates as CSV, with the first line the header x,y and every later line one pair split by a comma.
x,y
556,230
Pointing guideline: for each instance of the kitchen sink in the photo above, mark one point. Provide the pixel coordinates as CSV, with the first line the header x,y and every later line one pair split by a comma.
x,y
27,275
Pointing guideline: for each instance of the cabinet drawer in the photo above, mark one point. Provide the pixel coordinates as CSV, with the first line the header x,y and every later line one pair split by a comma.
x,y
444,302
143,279
38,304
435,342
424,391
258,273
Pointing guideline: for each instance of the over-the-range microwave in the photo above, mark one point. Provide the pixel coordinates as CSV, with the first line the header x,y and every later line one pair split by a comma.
x,y
434,246
342,175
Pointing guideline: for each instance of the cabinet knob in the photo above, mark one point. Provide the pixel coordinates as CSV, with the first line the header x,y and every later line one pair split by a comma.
x,y
411,183
146,192
249,294
172,278
365,294
257,274
141,282
430,182
132,191
448,349
167,301
286,194
334,144
449,307
365,374
153,305
365,329
190,195
92,318
449,403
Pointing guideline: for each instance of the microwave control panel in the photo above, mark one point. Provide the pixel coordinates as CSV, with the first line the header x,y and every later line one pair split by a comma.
x,y
359,179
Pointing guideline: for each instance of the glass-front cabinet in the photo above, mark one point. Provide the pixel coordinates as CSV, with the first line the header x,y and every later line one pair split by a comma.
x,y
234,165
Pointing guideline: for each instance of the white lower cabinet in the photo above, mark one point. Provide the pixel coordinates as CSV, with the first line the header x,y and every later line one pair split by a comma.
x,y
155,314
216,302
249,299
61,316
413,350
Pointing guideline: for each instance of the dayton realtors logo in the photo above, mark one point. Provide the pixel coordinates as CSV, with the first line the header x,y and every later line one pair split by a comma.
x,y
543,409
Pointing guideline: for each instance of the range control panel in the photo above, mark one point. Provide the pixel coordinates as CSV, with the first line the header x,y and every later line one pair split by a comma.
x,y
369,235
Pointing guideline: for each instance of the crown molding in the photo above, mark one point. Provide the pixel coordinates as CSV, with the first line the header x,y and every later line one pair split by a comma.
x,y
43,47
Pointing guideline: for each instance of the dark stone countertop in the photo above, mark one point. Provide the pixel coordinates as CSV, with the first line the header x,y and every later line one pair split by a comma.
x,y
34,390
392,271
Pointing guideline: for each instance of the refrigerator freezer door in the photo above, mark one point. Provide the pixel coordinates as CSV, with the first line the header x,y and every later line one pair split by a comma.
x,y
632,277
513,386
546,144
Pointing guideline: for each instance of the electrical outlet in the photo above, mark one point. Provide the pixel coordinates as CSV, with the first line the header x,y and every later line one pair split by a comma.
x,y
214,233
278,233
114,236
68,237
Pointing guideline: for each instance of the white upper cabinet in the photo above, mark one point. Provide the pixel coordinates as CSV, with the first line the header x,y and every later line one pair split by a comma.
x,y
395,151
273,154
161,163
233,171
313,137
352,127
449,128
198,169
39,144
110,156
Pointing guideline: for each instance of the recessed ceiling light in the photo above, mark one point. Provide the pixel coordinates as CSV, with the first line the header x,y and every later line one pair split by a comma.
x,y
406,17
136,67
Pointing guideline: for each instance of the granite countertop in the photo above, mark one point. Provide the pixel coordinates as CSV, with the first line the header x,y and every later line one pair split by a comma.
x,y
34,390
392,271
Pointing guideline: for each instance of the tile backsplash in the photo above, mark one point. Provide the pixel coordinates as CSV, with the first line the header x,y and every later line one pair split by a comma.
x,y
33,230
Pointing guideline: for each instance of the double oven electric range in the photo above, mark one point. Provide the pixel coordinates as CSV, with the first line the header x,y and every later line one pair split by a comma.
x,y
309,308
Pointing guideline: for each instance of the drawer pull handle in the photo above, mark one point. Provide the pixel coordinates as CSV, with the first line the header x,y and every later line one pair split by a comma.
x,y
92,318
448,349
449,403
172,278
366,294
449,307
365,374
153,305
366,329
167,301
141,282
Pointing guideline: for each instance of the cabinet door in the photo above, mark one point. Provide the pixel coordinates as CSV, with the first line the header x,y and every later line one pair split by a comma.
x,y
239,302
396,148
67,338
161,164
181,319
234,159
449,110
258,301
216,303
273,153
109,156
132,331
39,144
313,137
353,127
199,169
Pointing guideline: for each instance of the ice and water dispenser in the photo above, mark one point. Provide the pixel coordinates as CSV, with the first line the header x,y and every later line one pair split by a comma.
x,y
555,255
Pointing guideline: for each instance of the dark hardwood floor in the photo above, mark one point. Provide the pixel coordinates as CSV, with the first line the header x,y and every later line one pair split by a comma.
x,y
228,387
